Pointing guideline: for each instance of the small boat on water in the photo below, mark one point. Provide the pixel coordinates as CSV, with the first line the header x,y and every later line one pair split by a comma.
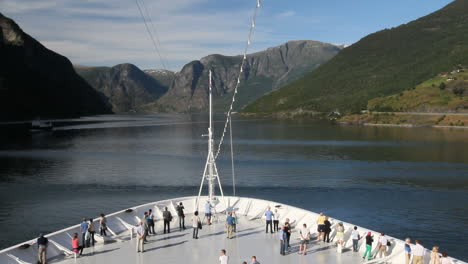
x,y
38,125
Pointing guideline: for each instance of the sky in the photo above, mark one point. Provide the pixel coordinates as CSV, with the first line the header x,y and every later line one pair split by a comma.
x,y
110,32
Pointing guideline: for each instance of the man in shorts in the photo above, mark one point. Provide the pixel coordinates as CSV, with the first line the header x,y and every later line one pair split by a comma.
x,y
321,226
208,212
304,233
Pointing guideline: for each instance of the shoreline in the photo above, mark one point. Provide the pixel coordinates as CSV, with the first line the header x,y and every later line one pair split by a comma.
x,y
398,125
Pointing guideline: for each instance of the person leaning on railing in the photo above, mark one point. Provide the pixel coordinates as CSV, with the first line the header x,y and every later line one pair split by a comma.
x,y
407,250
320,225
418,253
42,243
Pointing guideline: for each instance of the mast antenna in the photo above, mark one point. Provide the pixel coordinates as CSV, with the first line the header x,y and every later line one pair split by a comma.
x,y
210,173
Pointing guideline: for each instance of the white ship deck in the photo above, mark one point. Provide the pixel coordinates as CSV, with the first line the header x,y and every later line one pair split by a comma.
x,y
179,247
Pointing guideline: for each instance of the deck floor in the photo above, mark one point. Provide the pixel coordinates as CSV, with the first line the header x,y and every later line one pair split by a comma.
x,y
179,247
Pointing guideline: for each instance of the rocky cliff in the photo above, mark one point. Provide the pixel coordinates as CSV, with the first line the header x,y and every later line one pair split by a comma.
x,y
37,82
125,85
264,72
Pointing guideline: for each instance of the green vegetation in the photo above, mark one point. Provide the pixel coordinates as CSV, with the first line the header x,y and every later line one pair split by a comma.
x,y
426,97
384,63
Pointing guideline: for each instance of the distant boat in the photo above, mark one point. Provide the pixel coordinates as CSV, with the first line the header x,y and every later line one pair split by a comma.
x,y
38,125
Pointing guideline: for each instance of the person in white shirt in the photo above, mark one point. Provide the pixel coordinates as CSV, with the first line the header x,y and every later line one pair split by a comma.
x,y
140,237
304,234
418,252
382,245
196,223
223,259
355,237
445,259
276,218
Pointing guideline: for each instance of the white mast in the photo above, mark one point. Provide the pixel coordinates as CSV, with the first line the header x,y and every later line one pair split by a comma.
x,y
211,172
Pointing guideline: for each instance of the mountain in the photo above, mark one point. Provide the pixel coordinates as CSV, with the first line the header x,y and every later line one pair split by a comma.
x,y
265,71
383,63
37,82
126,86
165,77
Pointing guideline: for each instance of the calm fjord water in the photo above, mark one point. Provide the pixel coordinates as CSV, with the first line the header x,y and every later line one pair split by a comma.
x,y
403,181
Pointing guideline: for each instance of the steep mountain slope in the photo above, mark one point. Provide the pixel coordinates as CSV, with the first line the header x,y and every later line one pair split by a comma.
x,y
383,63
265,71
126,86
165,77
37,82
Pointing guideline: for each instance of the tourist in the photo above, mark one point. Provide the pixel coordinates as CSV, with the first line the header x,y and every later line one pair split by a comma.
x,y
340,233
84,230
339,237
382,245
355,237
369,240
269,219
167,216
102,225
76,244
180,213
208,212
223,259
196,224
145,226
229,225
418,252
320,226
141,234
287,229
42,243
91,231
234,216
435,258
276,218
445,259
253,260
151,222
326,230
407,250
304,236
283,240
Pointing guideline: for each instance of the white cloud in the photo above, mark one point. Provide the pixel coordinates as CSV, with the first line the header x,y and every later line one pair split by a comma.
x,y
288,13
101,32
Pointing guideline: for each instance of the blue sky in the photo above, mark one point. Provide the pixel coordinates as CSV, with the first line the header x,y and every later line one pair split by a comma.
x,y
109,32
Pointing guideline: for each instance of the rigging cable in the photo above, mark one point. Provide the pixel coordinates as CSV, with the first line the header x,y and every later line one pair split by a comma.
x,y
244,59
150,34
155,31
232,159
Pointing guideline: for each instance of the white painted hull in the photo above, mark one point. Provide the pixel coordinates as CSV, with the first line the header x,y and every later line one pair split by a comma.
x,y
120,226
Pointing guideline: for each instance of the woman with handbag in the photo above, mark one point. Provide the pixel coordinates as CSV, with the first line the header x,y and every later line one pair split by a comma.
x,y
196,224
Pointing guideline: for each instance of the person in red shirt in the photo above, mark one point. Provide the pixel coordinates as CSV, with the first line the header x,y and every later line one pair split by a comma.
x,y
76,244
